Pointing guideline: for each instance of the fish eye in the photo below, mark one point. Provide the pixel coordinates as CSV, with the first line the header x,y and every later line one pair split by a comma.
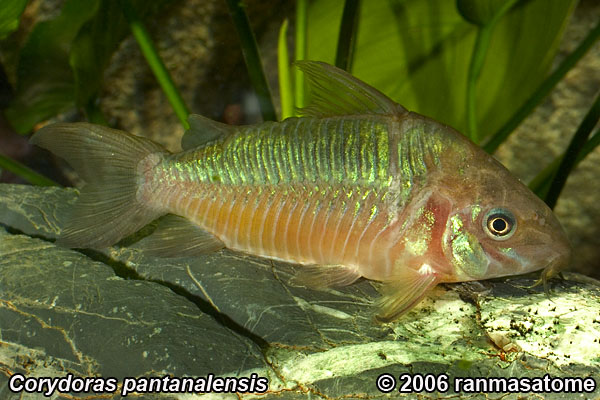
x,y
499,224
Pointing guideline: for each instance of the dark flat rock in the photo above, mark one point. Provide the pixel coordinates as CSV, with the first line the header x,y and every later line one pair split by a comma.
x,y
121,312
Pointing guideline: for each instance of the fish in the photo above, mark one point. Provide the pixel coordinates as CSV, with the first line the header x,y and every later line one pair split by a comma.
x,y
356,187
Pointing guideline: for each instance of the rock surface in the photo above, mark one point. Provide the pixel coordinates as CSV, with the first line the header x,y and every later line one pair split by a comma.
x,y
122,313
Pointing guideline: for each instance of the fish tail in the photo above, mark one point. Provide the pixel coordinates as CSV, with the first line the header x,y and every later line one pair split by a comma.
x,y
109,207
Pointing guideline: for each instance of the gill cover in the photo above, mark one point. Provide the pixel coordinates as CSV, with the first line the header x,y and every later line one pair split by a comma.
x,y
464,250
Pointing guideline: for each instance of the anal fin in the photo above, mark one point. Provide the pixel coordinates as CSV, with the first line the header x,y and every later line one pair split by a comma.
x,y
405,291
324,276
176,236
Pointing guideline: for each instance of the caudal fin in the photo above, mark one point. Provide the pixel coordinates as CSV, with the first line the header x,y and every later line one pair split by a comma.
x,y
108,208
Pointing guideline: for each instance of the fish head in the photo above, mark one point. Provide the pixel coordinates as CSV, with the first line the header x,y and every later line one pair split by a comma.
x,y
498,227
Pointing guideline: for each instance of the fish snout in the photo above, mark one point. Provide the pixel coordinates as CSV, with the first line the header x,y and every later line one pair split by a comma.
x,y
559,243
555,250
562,250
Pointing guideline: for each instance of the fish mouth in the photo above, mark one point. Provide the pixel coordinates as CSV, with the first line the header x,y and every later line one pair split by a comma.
x,y
562,250
554,267
547,248
548,252
553,257
559,262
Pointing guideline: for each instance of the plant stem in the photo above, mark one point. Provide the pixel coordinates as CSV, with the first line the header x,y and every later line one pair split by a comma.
x,y
156,65
25,172
348,33
94,113
570,157
541,183
542,91
252,57
300,50
285,80
482,43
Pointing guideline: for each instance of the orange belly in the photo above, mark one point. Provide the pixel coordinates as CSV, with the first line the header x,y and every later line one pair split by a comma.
x,y
296,224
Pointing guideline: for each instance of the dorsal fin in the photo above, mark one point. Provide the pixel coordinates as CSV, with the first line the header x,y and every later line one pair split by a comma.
x,y
333,91
203,130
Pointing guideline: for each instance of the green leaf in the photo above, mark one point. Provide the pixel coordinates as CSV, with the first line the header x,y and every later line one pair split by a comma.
x,y
63,60
10,14
24,172
92,48
542,91
252,58
142,36
480,50
520,56
45,85
480,12
347,37
300,51
418,53
576,147
283,67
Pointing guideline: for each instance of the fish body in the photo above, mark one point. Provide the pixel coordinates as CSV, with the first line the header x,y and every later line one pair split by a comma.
x,y
359,187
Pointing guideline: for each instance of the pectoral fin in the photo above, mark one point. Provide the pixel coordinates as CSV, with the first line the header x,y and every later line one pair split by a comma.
x,y
176,236
405,291
324,276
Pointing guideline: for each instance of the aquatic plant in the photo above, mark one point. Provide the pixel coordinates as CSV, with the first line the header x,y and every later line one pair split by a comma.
x,y
480,66
217,315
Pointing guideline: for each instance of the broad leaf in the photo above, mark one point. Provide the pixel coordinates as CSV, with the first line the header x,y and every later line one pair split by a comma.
x,y
479,12
97,41
44,77
63,61
418,53
10,14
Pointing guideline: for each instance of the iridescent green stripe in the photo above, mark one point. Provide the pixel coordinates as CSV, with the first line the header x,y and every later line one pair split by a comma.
x,y
336,152
351,149
247,151
298,150
322,152
417,146
293,150
306,157
259,171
